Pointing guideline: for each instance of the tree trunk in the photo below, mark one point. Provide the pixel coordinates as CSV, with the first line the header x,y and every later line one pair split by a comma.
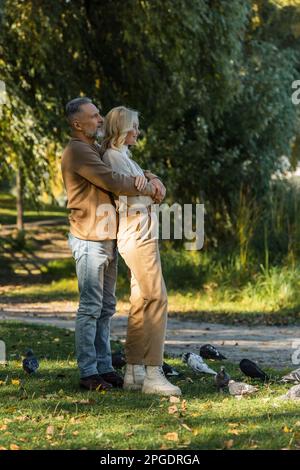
x,y
20,209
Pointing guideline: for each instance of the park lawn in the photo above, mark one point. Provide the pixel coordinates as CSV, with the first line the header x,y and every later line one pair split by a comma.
x,y
193,304
48,411
201,285
8,212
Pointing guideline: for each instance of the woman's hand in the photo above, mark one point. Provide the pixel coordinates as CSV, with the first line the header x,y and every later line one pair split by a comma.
x,y
140,182
160,190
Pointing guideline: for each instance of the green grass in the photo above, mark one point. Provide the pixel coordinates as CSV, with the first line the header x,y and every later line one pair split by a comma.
x,y
48,411
267,298
8,211
207,285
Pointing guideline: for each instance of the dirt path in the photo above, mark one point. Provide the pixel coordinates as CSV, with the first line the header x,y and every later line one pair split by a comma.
x,y
268,345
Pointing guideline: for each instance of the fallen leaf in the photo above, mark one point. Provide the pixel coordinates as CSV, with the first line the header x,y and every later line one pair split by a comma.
x,y
172,409
50,430
75,433
171,436
15,382
286,429
14,447
22,418
236,432
3,448
174,399
207,406
183,405
3,427
228,444
11,409
2,382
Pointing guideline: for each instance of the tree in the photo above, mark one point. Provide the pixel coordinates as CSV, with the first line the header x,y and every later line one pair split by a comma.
x,y
211,79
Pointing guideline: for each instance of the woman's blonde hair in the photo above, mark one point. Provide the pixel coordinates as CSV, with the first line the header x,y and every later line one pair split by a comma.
x,y
118,122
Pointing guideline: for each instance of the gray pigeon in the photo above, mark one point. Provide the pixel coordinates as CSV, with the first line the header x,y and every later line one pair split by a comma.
x,y
197,364
222,379
240,388
293,376
30,363
292,394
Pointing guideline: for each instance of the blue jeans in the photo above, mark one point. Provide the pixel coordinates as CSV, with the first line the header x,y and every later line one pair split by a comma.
x,y
96,268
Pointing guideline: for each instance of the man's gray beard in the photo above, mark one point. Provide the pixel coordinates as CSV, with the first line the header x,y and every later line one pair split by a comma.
x,y
98,135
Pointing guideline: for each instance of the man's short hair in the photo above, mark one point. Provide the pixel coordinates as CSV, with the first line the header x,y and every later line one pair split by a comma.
x,y
73,106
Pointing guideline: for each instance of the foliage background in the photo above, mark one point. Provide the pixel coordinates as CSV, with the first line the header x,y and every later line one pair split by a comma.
x,y
212,80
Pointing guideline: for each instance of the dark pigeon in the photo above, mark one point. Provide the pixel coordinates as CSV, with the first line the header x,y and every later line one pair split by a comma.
x,y
118,359
30,363
252,370
222,379
208,351
169,370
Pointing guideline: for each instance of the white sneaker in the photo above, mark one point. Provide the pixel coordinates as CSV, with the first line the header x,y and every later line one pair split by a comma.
x,y
134,377
156,382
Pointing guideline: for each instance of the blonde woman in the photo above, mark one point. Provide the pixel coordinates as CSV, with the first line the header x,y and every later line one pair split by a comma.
x,y
140,251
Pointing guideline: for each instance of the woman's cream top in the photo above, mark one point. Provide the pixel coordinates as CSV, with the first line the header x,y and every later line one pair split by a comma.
x,y
120,161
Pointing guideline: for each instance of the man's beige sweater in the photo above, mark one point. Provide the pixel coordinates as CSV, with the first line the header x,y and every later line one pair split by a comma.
x,y
89,183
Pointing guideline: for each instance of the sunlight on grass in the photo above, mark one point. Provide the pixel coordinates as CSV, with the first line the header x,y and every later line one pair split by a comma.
x,y
48,411
8,211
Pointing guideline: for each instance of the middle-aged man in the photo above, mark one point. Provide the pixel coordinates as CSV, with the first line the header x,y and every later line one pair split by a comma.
x,y
89,184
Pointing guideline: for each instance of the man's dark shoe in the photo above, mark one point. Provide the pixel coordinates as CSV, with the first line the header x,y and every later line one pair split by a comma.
x,y
94,382
113,378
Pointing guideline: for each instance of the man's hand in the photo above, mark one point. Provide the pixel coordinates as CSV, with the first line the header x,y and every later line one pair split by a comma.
x,y
160,190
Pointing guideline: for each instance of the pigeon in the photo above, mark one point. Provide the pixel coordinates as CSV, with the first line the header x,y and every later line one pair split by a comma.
x,y
293,376
292,394
222,379
169,370
240,388
197,364
252,370
208,351
118,359
30,363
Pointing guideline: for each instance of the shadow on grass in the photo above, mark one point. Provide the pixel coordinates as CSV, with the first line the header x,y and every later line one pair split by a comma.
x,y
120,419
